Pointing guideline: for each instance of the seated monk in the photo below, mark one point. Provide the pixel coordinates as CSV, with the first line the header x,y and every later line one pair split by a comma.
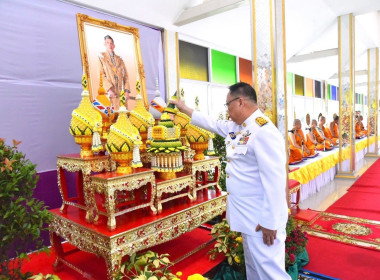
x,y
295,155
362,126
320,136
334,127
358,132
312,139
322,128
298,139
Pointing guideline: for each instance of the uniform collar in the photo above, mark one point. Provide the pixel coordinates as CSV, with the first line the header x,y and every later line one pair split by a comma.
x,y
251,119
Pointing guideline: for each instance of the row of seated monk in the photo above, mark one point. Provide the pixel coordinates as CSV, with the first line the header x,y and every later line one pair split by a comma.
x,y
318,138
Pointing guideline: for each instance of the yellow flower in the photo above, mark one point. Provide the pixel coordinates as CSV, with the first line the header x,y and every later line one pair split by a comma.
x,y
237,259
179,274
195,277
239,239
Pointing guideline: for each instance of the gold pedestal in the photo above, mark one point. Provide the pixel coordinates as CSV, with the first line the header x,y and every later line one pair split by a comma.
x,y
85,142
124,160
167,175
199,148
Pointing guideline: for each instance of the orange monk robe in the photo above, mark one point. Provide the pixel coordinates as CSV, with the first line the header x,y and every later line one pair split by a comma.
x,y
320,140
295,154
362,129
328,134
300,139
336,131
310,145
358,132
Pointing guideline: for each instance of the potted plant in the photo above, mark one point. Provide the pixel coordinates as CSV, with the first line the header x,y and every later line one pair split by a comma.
x,y
150,266
22,217
230,244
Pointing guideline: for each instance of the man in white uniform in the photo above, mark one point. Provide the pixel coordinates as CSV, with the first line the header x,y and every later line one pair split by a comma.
x,y
256,180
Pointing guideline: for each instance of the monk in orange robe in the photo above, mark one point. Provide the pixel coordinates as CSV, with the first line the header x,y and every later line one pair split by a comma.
x,y
359,133
334,127
298,139
295,155
320,135
312,139
362,126
327,131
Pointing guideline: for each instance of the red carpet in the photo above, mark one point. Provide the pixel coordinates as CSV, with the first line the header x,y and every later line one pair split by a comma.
x,y
342,261
94,266
359,232
363,197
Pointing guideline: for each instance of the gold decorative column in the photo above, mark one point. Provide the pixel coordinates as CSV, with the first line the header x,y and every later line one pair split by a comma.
x,y
373,97
269,59
269,62
346,34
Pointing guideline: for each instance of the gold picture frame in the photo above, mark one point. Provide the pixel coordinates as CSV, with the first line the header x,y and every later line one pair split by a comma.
x,y
92,34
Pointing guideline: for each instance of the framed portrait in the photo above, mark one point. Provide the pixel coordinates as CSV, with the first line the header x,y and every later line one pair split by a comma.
x,y
111,52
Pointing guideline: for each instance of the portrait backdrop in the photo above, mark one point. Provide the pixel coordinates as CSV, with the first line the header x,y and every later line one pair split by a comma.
x,y
40,79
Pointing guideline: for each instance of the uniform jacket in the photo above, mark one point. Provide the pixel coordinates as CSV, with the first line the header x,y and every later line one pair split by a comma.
x,y
114,75
255,172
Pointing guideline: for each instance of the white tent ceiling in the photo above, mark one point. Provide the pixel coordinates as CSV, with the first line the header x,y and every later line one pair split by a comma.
x,y
311,26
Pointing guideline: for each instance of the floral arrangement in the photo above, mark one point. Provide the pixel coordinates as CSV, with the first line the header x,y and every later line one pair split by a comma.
x,y
229,243
295,242
150,266
40,276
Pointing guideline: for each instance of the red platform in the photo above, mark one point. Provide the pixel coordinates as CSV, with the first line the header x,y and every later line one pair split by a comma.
x,y
135,230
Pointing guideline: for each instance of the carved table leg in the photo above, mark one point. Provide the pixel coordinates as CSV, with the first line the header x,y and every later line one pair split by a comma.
x,y
113,263
63,189
56,244
109,194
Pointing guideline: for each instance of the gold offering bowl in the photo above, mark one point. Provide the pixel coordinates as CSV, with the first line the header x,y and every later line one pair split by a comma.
x,y
167,175
85,141
199,148
124,160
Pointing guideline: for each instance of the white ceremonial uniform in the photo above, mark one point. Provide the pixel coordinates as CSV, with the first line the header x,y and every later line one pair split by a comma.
x,y
256,185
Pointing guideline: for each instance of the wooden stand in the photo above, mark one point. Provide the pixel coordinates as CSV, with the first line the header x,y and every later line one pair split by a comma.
x,y
202,167
83,167
112,184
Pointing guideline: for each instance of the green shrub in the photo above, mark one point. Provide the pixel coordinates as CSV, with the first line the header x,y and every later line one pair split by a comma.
x,y
22,217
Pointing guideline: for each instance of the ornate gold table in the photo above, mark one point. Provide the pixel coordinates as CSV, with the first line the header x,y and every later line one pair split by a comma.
x,y
173,186
83,167
138,189
137,230
202,167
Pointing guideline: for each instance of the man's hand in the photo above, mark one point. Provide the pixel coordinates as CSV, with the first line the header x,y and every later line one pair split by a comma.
x,y
182,107
268,235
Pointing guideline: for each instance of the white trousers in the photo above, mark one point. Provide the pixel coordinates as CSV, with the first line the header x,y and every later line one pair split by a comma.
x,y
265,262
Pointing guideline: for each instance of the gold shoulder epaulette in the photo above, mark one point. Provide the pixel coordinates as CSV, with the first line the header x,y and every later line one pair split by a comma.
x,y
261,121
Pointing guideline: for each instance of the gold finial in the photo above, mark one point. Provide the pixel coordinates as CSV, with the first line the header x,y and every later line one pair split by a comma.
x,y
101,90
84,80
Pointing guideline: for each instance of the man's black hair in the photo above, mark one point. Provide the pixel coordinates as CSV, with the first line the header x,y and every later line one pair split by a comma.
x,y
108,37
243,90
336,118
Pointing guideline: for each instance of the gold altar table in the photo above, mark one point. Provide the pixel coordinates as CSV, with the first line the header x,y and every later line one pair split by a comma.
x,y
83,167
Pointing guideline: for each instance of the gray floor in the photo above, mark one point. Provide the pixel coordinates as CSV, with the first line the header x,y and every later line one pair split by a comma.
x,y
335,189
